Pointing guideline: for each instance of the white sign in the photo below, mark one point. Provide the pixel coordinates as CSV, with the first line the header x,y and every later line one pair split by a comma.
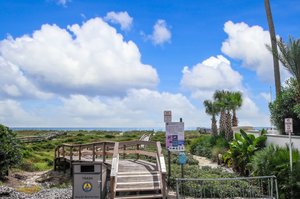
x,y
175,136
167,116
288,122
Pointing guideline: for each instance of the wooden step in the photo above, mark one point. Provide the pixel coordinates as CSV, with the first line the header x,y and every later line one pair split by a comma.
x,y
131,189
134,185
139,172
140,196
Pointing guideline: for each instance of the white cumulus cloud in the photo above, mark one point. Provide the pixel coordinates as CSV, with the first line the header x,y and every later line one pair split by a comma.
x,y
138,108
13,83
121,18
161,33
248,44
88,59
214,73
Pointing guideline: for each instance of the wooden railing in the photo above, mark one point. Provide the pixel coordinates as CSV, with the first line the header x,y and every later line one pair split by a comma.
x,y
80,151
133,147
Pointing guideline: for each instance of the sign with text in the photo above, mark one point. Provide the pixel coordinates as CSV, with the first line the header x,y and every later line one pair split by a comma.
x,y
288,123
167,116
175,136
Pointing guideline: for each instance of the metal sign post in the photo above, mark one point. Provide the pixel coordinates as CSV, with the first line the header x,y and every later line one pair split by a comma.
x,y
288,123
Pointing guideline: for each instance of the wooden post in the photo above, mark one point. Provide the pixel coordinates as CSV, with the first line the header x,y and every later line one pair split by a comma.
x,y
94,152
54,164
104,152
79,153
138,148
63,148
71,153
124,151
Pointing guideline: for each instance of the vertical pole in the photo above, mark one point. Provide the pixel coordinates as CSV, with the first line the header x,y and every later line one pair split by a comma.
x,y
71,153
169,167
291,155
104,152
94,152
138,148
124,151
182,176
177,189
79,153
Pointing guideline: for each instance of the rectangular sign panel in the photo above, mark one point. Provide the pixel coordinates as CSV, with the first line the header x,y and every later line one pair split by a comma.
x,y
288,123
175,136
167,116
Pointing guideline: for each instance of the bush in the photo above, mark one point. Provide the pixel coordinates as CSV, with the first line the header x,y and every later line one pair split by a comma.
x,y
241,150
10,150
285,106
204,145
275,160
109,136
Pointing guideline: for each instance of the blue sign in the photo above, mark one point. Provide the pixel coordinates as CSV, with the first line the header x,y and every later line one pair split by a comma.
x,y
182,158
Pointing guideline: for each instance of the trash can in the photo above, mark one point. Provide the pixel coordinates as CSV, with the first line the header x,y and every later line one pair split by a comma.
x,y
87,180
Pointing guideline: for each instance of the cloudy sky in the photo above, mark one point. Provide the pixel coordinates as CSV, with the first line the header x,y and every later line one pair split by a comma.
x,y
106,63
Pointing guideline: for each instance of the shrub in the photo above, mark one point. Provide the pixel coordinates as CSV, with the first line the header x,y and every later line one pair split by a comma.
x,y
10,150
241,150
274,160
285,106
109,136
203,146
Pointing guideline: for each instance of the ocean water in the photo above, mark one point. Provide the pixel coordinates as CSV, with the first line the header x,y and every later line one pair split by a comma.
x,y
121,129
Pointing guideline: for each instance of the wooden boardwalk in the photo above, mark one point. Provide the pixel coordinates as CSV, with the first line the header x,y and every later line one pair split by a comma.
x,y
131,176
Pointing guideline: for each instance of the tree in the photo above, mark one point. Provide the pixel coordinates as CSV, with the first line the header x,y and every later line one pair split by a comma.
x,y
274,47
10,150
211,108
289,56
228,106
219,98
285,106
237,103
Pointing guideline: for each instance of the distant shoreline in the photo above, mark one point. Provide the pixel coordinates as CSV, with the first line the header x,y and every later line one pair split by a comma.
x,y
121,129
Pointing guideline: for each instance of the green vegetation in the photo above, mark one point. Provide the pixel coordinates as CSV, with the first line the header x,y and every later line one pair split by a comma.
x,y
274,160
224,103
209,146
10,150
286,106
38,156
241,150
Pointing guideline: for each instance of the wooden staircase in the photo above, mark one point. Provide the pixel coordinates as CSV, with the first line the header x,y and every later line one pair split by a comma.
x,y
137,179
138,185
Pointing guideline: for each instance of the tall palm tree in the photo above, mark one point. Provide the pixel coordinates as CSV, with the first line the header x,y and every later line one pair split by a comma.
x,y
219,98
289,56
274,46
237,103
211,108
228,105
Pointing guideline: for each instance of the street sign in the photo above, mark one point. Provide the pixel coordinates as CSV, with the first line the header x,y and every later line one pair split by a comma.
x,y
167,116
175,136
182,158
288,123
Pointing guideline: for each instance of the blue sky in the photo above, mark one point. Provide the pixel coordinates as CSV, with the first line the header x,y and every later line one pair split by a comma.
x,y
98,63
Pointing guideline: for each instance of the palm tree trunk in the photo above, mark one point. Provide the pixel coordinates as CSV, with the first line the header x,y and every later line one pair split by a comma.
x,y
222,122
214,128
229,132
274,46
234,118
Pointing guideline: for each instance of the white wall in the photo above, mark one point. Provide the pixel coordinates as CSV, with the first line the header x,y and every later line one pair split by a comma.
x,y
282,140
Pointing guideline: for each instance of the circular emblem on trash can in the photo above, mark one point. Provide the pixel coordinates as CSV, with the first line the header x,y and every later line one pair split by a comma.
x,y
87,186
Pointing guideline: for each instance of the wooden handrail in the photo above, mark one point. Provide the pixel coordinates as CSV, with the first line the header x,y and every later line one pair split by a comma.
x,y
114,170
